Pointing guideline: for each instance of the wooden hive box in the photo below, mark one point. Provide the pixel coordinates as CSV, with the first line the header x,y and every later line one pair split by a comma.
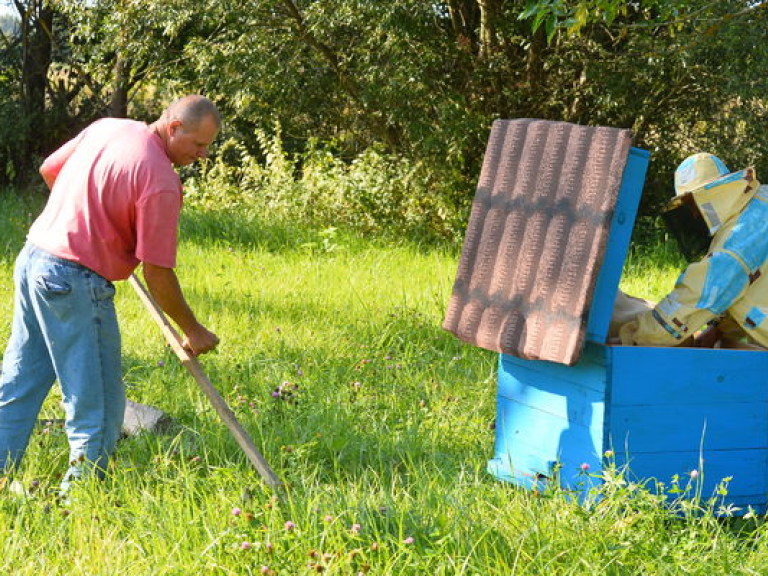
x,y
658,412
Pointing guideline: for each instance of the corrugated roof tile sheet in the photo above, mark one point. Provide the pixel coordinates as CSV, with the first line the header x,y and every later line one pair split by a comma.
x,y
536,237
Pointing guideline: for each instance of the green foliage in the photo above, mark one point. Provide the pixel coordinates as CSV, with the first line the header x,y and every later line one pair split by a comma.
x,y
10,131
14,125
112,52
413,80
374,192
425,81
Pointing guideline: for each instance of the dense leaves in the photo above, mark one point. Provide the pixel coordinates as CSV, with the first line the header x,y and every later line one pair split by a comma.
x,y
421,80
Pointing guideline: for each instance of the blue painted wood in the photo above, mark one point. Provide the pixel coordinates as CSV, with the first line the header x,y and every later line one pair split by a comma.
x,y
676,376
742,473
587,373
670,399
670,428
710,410
550,417
622,223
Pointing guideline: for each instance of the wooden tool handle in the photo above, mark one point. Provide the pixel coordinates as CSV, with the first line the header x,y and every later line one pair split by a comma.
x,y
219,404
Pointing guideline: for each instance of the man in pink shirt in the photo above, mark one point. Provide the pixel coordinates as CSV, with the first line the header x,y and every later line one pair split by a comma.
x,y
115,203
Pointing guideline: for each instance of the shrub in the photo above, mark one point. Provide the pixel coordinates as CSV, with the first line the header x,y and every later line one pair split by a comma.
x,y
374,192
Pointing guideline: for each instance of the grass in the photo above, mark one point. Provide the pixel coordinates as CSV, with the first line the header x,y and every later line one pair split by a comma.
x,y
380,423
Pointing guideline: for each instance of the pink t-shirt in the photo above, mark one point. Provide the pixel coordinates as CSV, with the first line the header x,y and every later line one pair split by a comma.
x,y
115,202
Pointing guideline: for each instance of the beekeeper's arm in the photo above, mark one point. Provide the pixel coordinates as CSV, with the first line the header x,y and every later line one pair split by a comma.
x,y
705,291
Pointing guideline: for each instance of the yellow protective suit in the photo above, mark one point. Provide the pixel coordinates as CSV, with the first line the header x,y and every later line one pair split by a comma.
x,y
730,282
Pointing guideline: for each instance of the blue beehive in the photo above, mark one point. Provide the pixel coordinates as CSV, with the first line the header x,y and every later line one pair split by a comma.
x,y
661,412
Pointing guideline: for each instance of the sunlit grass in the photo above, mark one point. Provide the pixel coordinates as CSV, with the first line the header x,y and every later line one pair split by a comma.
x,y
650,271
382,443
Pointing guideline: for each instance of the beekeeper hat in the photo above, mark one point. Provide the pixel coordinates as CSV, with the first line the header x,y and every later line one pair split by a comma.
x,y
698,171
706,191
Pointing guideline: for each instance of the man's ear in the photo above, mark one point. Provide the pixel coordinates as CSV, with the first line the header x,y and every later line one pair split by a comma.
x,y
173,126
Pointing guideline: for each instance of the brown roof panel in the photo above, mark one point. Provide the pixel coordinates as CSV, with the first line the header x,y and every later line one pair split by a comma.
x,y
536,237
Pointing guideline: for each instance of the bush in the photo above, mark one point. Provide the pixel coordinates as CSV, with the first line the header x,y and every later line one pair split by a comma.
x,y
374,192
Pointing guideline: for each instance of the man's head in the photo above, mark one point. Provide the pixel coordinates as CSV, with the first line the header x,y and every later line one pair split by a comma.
x,y
188,127
707,195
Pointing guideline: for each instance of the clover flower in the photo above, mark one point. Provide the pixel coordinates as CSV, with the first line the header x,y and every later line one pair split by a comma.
x,y
287,392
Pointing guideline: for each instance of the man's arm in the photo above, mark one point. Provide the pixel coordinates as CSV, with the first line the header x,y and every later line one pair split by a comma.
x,y
165,289
705,291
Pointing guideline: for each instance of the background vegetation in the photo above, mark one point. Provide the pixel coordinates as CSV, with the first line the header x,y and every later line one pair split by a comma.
x,y
406,90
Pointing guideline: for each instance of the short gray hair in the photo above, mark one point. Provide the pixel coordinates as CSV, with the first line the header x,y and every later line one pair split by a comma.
x,y
191,110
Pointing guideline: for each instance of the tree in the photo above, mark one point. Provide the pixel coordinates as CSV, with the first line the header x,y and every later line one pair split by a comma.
x,y
421,79
427,79
35,32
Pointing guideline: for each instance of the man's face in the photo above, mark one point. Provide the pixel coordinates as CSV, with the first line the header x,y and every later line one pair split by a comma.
x,y
187,145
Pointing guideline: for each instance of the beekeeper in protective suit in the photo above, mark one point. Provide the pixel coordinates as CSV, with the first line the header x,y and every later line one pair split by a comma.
x,y
727,289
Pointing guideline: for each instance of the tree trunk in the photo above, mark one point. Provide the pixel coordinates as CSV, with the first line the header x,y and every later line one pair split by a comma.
x,y
534,66
118,104
489,10
36,24
463,14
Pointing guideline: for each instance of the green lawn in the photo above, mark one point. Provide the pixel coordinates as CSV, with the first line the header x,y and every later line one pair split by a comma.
x,y
382,442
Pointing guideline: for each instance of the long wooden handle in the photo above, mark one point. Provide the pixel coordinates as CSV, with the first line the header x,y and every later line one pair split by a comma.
x,y
219,404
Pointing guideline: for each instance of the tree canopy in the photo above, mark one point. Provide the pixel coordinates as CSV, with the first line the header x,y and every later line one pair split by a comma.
x,y
422,80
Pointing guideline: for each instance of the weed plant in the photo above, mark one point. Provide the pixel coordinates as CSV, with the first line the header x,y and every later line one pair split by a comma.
x,y
379,422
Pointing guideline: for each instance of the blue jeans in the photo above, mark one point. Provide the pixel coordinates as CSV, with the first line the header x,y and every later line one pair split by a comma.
x,y
64,328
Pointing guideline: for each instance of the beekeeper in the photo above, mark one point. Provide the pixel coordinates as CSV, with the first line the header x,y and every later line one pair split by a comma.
x,y
728,286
